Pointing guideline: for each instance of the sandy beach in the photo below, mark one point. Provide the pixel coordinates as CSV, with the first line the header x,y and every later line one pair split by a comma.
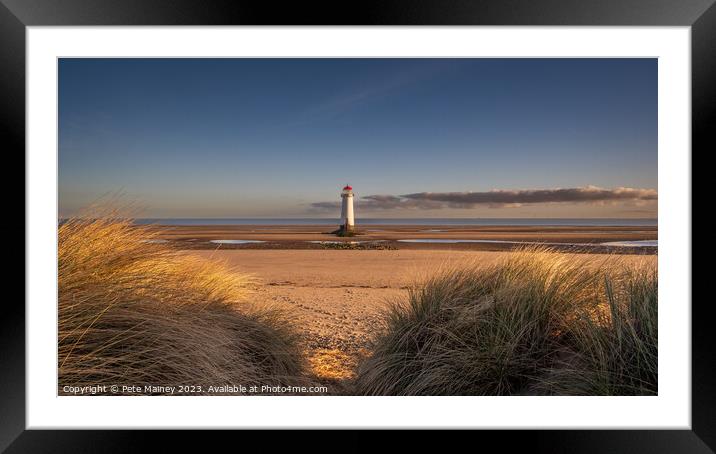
x,y
335,297
335,288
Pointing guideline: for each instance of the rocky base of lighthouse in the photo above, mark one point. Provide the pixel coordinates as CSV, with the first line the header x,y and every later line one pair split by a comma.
x,y
345,230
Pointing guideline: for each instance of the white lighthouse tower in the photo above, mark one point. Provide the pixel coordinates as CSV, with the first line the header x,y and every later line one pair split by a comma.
x,y
347,218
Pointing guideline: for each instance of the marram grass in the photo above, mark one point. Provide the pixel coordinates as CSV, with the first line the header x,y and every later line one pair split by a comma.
x,y
539,322
137,313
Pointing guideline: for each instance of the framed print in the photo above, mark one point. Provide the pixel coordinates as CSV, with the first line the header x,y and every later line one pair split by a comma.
x,y
424,217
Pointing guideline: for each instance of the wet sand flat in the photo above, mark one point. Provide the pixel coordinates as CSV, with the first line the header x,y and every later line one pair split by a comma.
x,y
480,238
395,232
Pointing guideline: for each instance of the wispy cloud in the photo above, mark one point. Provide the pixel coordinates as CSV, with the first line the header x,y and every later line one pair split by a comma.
x,y
496,198
370,89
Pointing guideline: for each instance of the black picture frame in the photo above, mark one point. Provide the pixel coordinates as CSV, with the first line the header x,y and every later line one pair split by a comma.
x,y
16,15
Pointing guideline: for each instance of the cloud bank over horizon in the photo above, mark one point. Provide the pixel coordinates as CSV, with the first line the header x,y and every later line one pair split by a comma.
x,y
495,198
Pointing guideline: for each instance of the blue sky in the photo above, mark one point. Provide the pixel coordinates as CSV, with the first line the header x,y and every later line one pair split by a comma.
x,y
280,137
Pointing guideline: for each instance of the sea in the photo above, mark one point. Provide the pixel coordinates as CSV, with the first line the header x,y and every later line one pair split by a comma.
x,y
594,222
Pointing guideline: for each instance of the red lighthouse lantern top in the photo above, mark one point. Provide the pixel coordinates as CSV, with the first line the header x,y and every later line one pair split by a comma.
x,y
348,188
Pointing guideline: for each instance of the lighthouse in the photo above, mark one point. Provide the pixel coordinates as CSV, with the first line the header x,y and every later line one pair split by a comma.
x,y
347,219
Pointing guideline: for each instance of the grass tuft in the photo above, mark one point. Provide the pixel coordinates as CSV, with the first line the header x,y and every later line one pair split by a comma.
x,y
139,313
538,322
